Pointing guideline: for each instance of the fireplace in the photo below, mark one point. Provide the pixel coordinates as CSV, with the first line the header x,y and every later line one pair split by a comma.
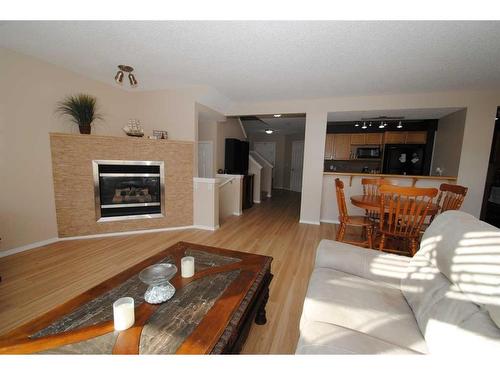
x,y
125,189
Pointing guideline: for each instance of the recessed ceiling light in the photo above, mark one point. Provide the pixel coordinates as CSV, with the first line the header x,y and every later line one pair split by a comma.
x,y
356,124
364,126
269,131
277,115
400,125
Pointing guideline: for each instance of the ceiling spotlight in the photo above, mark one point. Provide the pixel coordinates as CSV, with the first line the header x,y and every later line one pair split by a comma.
x,y
400,125
119,77
121,72
132,80
269,131
277,115
370,124
356,125
364,126
381,126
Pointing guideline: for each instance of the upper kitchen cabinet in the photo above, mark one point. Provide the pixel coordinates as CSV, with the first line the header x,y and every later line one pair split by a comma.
x,y
373,138
416,137
337,146
358,139
395,137
329,146
342,147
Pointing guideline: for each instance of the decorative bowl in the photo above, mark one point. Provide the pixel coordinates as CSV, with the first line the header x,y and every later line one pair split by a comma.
x,y
157,277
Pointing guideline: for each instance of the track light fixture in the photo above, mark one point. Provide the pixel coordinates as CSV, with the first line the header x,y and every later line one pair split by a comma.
x,y
121,72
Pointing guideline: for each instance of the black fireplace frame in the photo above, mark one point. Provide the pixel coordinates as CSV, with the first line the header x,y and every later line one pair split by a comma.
x,y
97,195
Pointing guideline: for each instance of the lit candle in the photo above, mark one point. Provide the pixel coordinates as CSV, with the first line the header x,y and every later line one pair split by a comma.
x,y
123,313
187,267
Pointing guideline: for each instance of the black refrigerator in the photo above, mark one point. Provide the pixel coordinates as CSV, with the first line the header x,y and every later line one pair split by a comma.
x,y
404,159
236,162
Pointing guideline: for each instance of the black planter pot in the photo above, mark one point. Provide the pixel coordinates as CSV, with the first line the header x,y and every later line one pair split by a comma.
x,y
84,129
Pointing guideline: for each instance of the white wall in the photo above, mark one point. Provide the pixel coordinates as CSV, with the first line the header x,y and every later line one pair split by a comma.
x,y
478,131
448,143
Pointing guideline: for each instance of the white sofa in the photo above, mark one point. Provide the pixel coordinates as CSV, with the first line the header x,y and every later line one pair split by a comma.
x,y
446,299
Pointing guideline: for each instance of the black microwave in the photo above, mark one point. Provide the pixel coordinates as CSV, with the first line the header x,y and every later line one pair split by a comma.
x,y
368,153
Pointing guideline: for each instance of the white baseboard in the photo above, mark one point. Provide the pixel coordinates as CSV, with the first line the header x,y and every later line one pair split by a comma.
x,y
269,195
330,221
30,246
89,236
309,222
206,227
256,201
237,213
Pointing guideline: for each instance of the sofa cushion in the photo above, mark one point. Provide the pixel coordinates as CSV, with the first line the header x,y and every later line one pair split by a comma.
x,y
451,314
468,254
325,338
370,264
373,308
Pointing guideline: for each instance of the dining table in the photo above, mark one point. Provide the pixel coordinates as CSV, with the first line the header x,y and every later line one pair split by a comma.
x,y
372,203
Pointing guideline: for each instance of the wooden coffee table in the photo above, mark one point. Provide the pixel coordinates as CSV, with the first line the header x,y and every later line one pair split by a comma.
x,y
210,312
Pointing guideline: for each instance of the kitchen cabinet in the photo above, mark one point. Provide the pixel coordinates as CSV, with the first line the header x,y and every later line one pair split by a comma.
x,y
395,137
342,147
329,146
416,137
358,139
373,138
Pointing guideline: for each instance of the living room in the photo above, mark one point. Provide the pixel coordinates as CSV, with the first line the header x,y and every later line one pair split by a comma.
x,y
127,229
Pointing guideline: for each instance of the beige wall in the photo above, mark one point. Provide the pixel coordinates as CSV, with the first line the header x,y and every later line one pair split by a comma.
x,y
448,143
31,89
30,92
479,123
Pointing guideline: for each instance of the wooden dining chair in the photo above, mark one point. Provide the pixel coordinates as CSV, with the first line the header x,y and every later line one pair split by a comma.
x,y
451,197
405,210
371,187
346,220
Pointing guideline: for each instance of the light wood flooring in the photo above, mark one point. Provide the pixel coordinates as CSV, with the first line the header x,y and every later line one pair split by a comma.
x,y
35,281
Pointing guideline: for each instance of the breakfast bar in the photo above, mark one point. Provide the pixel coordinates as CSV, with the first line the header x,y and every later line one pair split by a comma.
x,y
352,186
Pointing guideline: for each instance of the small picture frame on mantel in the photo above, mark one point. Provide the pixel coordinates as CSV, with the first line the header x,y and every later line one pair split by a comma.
x,y
160,134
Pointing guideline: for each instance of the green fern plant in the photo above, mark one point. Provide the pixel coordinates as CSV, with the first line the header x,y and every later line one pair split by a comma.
x,y
82,109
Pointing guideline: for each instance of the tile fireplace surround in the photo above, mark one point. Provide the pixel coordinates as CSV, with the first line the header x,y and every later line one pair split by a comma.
x,y
72,156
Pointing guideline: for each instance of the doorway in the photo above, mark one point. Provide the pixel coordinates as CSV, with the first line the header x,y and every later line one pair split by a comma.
x,y
490,210
296,166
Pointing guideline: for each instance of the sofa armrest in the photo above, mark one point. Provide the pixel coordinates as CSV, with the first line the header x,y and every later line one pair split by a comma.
x,y
367,263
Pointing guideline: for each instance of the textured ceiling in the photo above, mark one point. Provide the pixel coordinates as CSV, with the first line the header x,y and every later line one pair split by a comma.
x,y
266,60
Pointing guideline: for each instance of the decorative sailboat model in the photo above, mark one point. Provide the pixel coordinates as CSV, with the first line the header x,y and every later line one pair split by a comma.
x,y
134,128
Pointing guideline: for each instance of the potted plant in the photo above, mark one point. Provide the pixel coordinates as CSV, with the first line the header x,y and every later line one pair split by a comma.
x,y
82,109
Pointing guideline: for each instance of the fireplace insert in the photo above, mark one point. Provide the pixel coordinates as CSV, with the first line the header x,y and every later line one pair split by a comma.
x,y
125,189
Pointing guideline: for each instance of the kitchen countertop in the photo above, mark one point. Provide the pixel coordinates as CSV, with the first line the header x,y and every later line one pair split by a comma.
x,y
451,179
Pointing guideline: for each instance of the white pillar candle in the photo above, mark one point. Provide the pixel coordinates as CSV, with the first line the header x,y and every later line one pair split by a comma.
x,y
187,267
123,313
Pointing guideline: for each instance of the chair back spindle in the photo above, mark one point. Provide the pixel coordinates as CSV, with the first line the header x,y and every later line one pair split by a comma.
x,y
341,203
451,197
371,187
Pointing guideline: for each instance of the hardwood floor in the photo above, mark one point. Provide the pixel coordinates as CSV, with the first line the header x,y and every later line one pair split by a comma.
x,y
35,281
